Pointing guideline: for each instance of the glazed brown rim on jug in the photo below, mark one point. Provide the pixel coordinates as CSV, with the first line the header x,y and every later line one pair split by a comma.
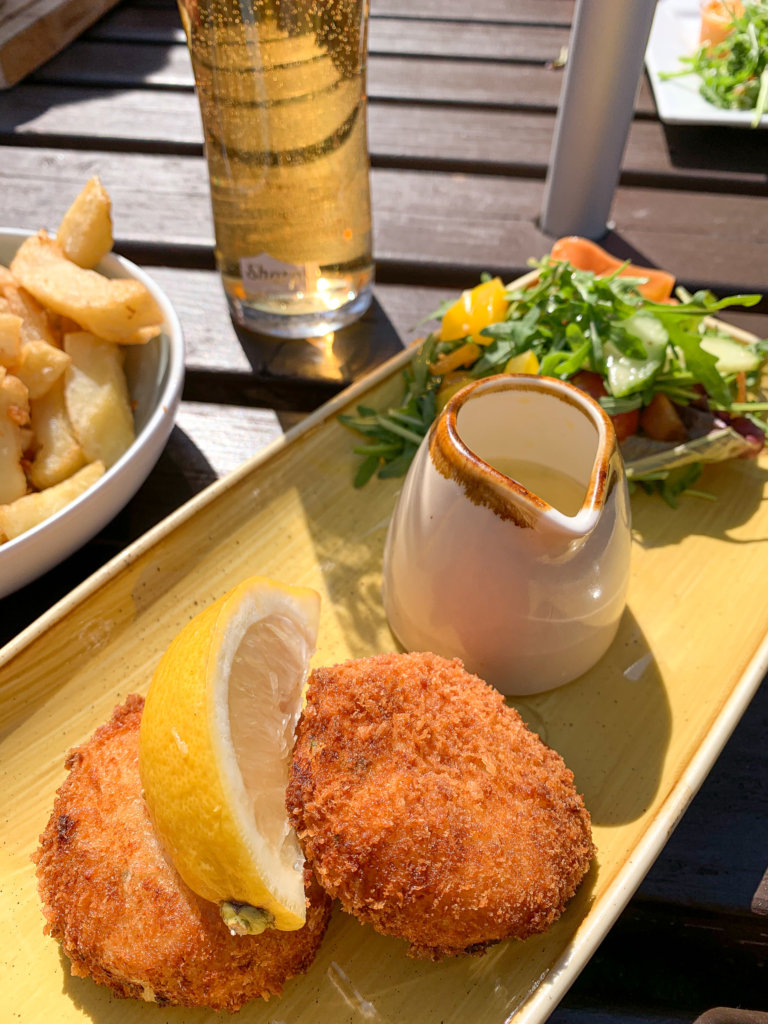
x,y
485,485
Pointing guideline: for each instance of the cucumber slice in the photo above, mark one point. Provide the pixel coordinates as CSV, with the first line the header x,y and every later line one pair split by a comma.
x,y
649,330
731,355
626,375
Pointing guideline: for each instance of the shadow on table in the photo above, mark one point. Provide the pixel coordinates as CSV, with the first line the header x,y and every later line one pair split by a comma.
x,y
298,375
720,149
336,359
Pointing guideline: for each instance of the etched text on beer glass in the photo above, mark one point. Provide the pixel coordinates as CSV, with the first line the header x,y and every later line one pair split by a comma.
x,y
281,85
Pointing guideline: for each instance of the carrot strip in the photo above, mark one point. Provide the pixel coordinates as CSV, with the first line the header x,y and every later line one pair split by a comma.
x,y
464,355
587,255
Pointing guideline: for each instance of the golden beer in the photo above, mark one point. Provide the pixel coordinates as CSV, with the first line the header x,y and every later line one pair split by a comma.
x,y
281,86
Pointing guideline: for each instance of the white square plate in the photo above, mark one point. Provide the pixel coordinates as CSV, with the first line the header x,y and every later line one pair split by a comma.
x,y
675,34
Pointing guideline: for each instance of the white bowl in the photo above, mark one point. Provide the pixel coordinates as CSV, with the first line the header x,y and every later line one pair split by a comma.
x,y
155,374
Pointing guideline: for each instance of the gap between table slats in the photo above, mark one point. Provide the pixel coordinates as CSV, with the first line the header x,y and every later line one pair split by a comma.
x,y
441,137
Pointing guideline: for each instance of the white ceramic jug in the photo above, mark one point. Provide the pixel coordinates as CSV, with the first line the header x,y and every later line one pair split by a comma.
x,y
526,588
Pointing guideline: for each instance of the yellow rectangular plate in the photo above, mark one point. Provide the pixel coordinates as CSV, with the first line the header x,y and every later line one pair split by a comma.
x,y
640,731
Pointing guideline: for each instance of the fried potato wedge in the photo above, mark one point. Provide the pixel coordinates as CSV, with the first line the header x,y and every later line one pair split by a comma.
x,y
58,453
143,335
96,397
36,322
85,232
40,365
21,515
14,416
111,308
10,339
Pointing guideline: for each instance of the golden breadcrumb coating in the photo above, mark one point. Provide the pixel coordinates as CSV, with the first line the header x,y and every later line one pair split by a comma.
x,y
427,807
120,910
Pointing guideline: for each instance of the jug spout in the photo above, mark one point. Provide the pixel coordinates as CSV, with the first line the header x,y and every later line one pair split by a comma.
x,y
509,546
536,450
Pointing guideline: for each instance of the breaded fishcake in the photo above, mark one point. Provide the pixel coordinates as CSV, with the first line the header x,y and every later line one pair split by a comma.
x,y
427,807
120,910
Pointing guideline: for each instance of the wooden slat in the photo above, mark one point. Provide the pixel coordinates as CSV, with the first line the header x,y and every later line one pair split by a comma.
x,y
544,12
120,64
516,141
129,23
131,64
210,339
718,961
719,872
535,44
238,433
401,134
532,44
101,117
425,224
32,31
533,12
468,82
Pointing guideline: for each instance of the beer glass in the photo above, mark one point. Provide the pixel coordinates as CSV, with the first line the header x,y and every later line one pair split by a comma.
x,y
281,87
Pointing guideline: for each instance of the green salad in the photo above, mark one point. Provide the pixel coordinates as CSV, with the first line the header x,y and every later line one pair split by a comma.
x,y
680,390
734,70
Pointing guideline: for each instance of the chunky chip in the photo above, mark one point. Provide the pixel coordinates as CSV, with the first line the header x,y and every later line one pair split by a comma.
x,y
57,452
14,415
36,322
96,397
40,365
114,309
85,233
32,509
10,339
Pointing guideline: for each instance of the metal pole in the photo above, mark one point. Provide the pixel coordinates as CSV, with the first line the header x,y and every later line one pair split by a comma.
x,y
605,61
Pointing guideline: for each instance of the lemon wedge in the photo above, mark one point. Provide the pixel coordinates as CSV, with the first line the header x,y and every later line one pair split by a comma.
x,y
215,747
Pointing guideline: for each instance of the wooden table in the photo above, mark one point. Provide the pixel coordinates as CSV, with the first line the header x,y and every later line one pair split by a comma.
x,y
462,108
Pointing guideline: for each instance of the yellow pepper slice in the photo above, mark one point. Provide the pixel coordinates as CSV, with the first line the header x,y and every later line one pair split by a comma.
x,y
476,308
523,362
